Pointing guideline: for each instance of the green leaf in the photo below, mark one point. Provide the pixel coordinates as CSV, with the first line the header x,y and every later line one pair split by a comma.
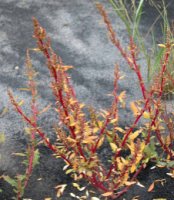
x,y
170,164
36,157
11,181
150,150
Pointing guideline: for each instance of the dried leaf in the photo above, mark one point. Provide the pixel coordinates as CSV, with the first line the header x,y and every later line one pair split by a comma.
x,y
151,187
106,194
128,183
60,189
95,198
139,184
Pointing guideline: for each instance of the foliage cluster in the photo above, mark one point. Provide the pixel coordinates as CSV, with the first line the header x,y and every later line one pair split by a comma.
x,y
80,140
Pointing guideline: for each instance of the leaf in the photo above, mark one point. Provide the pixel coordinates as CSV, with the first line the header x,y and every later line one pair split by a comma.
x,y
69,171
89,139
71,140
134,108
120,129
2,137
60,189
113,146
121,98
139,184
3,112
106,194
19,154
36,157
11,181
95,198
78,187
95,130
128,183
100,142
146,115
151,187
135,134
66,67
21,103
162,45
113,121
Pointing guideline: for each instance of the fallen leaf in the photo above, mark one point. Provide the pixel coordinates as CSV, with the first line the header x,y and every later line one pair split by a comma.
x,y
151,187
106,194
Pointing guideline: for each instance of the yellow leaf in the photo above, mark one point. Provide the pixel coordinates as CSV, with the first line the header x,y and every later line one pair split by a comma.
x,y
122,96
95,130
133,168
113,121
162,45
72,101
69,171
21,103
89,139
131,147
71,140
72,122
106,194
146,115
135,134
66,67
113,146
78,186
100,142
134,108
120,129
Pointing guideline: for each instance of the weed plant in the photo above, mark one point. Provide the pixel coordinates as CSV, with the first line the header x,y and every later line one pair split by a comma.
x,y
79,139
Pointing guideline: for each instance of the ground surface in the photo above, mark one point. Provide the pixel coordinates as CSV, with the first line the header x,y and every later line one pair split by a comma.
x,y
80,38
